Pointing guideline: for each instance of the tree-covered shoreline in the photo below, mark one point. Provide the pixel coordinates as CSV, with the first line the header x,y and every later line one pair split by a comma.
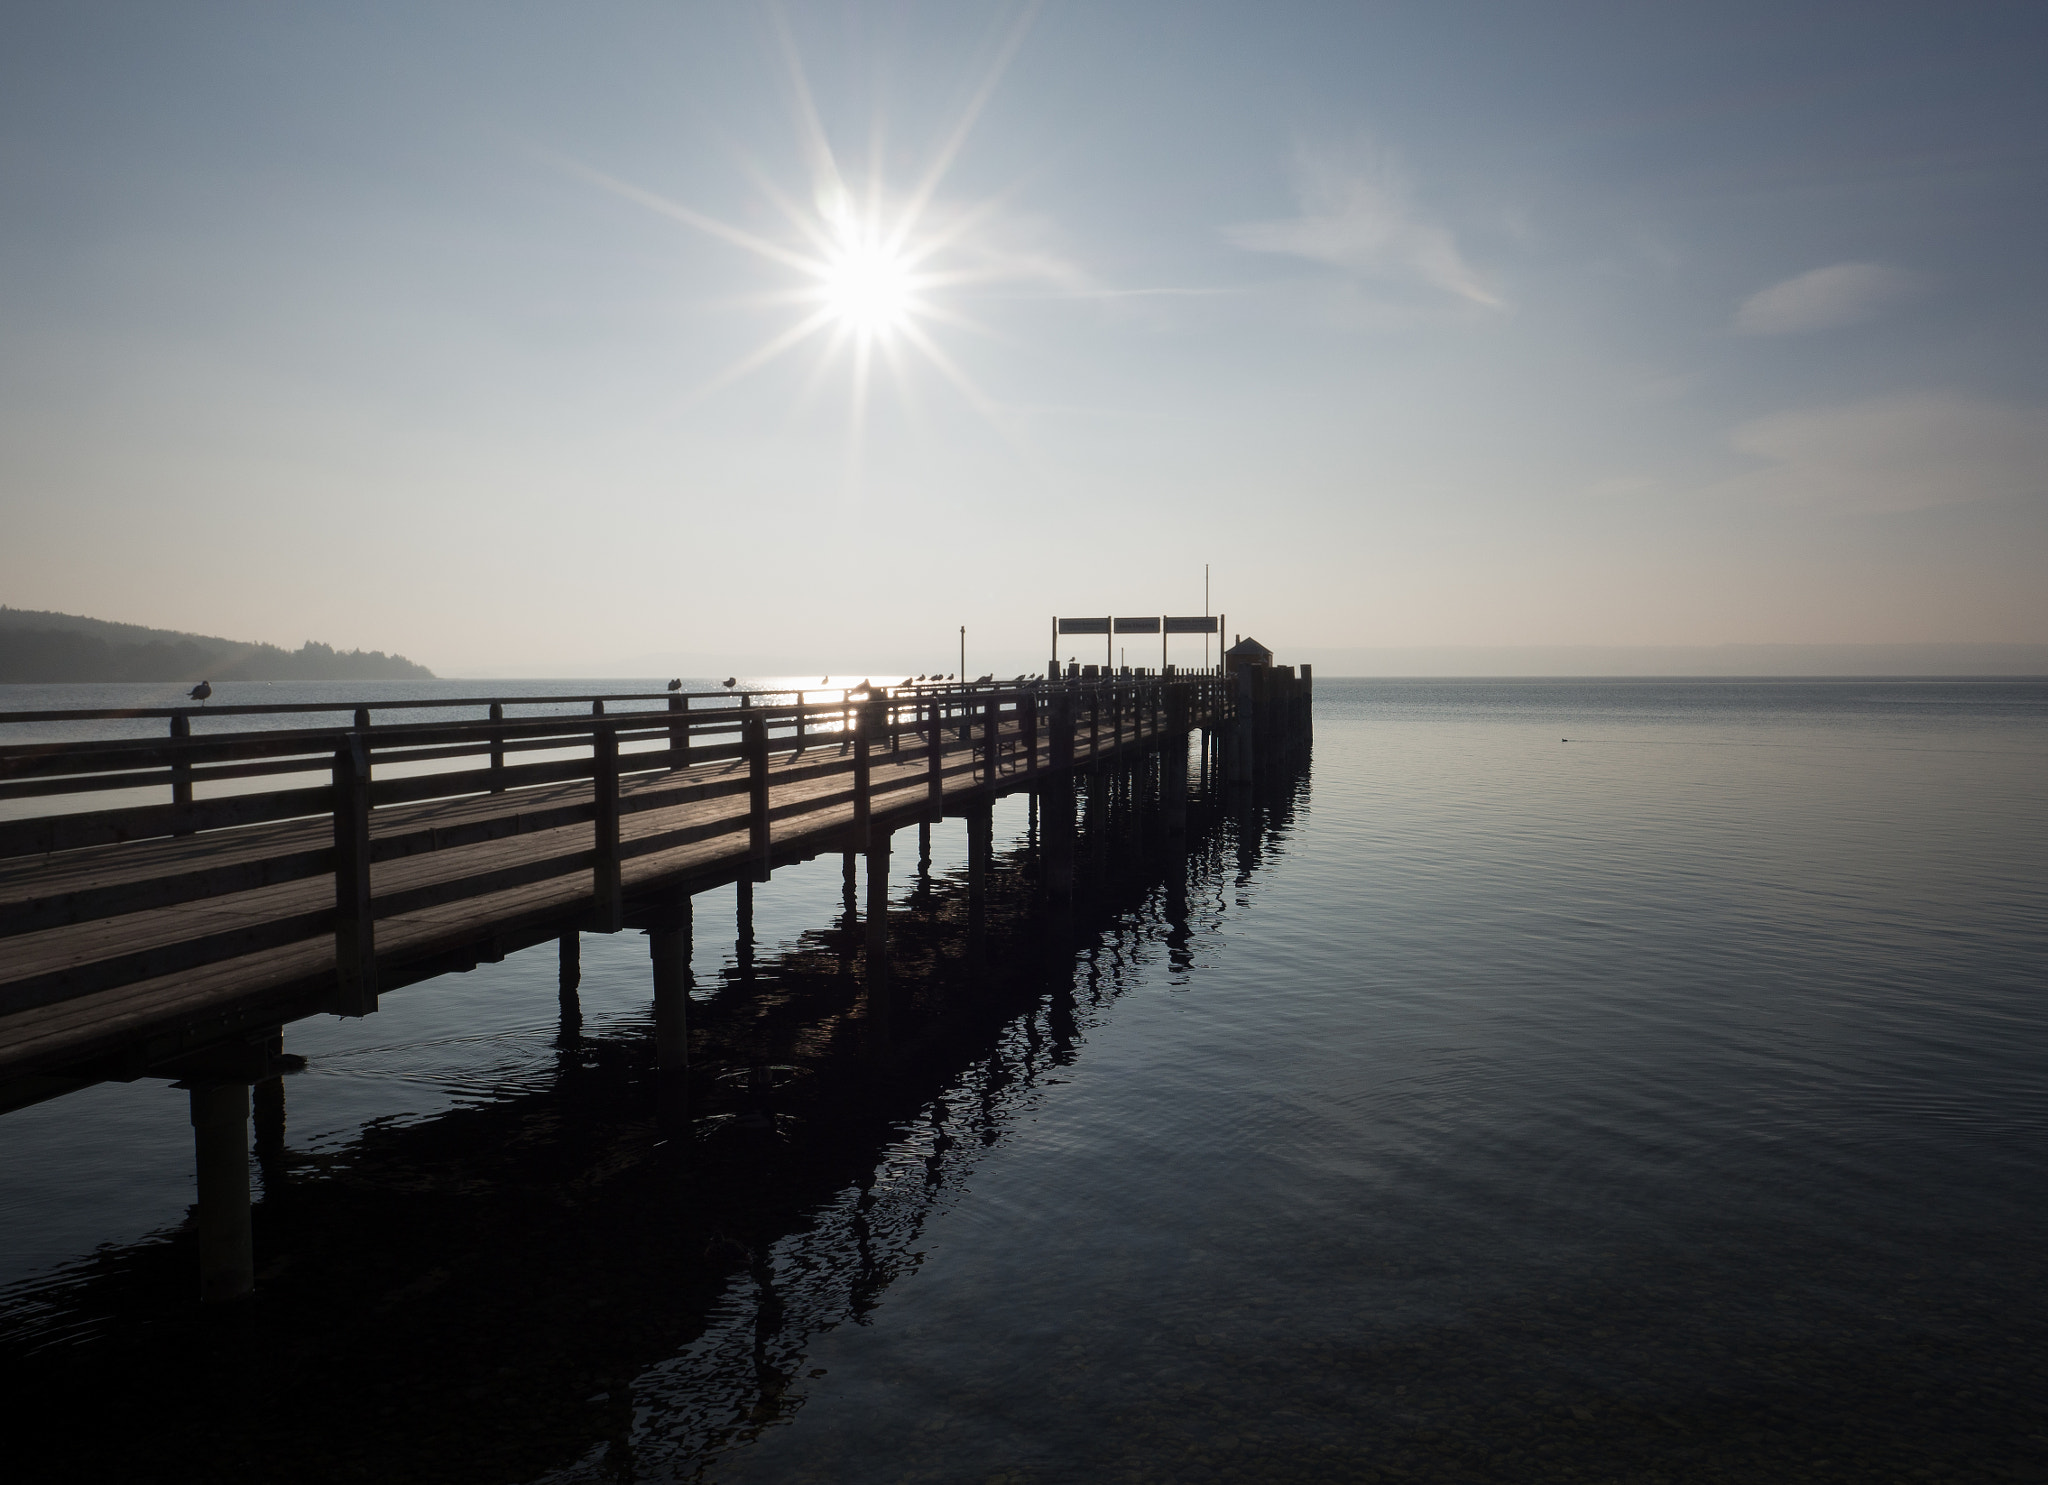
x,y
50,648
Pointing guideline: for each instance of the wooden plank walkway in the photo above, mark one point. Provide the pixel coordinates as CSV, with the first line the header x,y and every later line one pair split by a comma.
x,y
120,957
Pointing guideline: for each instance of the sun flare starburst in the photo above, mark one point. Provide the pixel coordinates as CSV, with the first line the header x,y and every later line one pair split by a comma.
x,y
876,270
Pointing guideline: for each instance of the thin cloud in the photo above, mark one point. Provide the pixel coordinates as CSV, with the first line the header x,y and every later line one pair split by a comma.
x,y
1824,299
1358,214
1915,451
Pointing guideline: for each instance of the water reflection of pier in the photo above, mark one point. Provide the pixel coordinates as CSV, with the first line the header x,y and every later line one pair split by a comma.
x,y
619,1275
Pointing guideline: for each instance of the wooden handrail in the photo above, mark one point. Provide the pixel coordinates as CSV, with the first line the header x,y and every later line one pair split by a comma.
x,y
1038,724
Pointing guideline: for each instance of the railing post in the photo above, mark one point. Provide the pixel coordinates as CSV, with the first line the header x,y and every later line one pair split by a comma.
x,y
355,941
991,740
1060,726
497,749
607,884
1027,728
679,733
181,772
935,762
754,737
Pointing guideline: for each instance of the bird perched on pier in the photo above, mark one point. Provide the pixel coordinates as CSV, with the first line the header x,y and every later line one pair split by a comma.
x,y
985,679
201,691
826,682
906,680
676,684
730,681
920,678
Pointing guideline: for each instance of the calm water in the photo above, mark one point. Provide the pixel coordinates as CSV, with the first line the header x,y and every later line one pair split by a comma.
x,y
1471,1104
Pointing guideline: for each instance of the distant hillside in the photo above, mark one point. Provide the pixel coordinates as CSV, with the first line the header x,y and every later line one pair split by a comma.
x,y
46,647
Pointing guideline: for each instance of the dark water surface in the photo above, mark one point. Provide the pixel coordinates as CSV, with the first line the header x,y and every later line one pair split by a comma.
x,y
1466,1104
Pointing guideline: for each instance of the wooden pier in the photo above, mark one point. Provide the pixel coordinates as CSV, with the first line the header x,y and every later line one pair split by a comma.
x,y
230,882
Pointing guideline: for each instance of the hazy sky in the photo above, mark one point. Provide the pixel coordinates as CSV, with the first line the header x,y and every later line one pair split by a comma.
x,y
435,327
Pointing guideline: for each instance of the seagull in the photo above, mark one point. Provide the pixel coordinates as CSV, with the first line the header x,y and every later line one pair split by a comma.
x,y
906,680
730,682
200,692
676,684
979,680
826,682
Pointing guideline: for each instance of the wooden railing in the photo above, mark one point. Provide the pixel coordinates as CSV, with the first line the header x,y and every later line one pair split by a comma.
x,y
193,844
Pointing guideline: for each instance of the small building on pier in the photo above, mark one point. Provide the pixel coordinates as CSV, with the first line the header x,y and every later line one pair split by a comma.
x,y
1246,654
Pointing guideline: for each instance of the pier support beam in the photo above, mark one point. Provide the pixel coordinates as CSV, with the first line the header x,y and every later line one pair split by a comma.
x,y
878,899
267,1116
570,953
668,944
875,1031
1097,817
1173,766
743,927
1056,836
267,1108
1244,727
981,850
220,1139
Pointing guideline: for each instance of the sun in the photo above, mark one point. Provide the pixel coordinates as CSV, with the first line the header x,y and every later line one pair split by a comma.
x,y
868,287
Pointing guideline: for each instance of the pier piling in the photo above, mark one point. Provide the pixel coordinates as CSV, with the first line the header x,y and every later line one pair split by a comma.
x,y
220,1140
878,898
668,944
569,957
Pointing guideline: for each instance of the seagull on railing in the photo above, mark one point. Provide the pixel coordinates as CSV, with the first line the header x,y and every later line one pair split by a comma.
x,y
729,682
983,680
200,692
676,684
